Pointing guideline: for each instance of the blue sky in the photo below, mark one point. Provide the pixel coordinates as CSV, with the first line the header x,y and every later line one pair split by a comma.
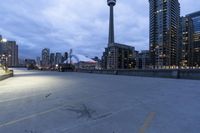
x,y
78,24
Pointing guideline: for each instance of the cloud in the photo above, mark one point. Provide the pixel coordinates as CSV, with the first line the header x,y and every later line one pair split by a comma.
x,y
79,24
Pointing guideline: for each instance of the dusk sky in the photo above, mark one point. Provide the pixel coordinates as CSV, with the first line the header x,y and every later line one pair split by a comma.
x,y
78,24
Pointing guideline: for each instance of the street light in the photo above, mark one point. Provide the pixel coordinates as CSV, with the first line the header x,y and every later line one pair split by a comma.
x,y
4,40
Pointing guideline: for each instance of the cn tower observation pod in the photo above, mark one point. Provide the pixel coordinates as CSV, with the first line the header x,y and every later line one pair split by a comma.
x,y
111,2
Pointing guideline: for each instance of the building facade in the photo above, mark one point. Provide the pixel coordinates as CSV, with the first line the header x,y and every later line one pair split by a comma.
x,y
58,58
143,60
190,41
119,56
186,41
45,57
52,59
65,57
164,33
9,49
38,62
195,18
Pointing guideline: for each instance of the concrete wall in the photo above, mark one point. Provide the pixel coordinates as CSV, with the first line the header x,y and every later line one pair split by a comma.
x,y
190,74
182,74
10,74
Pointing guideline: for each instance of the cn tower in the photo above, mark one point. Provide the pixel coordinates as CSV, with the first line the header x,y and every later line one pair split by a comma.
x,y
111,38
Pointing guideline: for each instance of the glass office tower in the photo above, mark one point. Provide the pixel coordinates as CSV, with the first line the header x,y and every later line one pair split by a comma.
x,y
195,17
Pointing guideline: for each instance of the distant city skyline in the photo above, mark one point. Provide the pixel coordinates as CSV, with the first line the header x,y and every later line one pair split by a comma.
x,y
63,24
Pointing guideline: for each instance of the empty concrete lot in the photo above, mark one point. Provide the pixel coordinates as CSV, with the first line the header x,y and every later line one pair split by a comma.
x,y
52,102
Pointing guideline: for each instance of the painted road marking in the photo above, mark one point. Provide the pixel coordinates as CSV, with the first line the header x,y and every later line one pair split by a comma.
x,y
20,98
147,122
29,117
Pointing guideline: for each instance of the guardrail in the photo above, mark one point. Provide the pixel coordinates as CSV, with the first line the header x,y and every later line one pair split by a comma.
x,y
170,73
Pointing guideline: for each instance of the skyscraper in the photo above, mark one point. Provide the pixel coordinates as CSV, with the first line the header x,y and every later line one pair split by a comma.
x,y
38,62
190,41
12,48
52,59
9,49
58,58
195,18
65,56
185,47
164,31
45,57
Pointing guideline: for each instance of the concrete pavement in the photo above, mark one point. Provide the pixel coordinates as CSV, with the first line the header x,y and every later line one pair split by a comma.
x,y
52,102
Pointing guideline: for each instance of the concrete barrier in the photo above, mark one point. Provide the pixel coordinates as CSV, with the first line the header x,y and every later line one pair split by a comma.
x,y
170,73
190,74
8,75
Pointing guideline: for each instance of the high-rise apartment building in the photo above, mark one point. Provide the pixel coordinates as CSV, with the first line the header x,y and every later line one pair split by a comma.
x,y
45,57
38,61
186,41
9,49
119,56
58,58
12,48
52,59
164,31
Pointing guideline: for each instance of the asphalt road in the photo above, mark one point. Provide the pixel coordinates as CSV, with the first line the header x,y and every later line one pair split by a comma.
x,y
52,102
